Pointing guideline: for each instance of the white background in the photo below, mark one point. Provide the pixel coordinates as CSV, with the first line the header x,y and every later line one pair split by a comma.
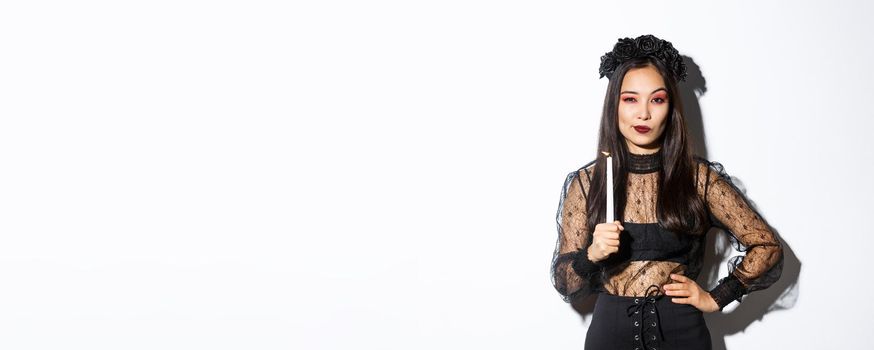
x,y
385,175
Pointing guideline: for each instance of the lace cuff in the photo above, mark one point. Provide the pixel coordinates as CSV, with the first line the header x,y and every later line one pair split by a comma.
x,y
583,266
727,290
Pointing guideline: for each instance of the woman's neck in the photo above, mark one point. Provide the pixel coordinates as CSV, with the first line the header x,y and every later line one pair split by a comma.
x,y
644,163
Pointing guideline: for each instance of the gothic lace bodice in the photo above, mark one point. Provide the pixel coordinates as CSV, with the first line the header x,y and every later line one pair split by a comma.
x,y
649,253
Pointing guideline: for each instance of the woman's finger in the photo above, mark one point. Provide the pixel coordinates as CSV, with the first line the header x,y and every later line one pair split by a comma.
x,y
679,293
680,278
675,286
619,224
608,235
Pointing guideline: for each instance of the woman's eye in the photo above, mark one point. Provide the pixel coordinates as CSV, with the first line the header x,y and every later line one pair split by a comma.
x,y
628,99
661,100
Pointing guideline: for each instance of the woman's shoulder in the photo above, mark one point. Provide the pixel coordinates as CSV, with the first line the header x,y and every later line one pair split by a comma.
x,y
588,165
586,169
580,176
708,168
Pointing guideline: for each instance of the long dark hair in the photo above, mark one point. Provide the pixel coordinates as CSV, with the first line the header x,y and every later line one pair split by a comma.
x,y
679,208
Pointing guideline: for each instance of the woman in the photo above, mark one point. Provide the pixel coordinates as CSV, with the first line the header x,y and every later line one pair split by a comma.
x,y
644,266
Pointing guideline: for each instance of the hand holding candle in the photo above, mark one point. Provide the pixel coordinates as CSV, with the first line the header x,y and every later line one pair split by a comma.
x,y
605,239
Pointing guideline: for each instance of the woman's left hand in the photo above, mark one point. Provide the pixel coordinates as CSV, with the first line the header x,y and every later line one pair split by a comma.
x,y
691,294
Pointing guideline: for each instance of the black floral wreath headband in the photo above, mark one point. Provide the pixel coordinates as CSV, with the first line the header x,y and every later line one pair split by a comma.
x,y
644,45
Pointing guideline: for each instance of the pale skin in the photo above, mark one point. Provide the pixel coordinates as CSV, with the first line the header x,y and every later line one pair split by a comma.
x,y
643,101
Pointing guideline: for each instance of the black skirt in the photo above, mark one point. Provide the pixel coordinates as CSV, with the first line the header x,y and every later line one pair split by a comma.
x,y
651,323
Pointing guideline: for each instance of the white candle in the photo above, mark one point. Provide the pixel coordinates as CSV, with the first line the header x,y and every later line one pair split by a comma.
x,y
609,187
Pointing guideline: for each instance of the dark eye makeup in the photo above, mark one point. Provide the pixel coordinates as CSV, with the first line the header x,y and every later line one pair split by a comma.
x,y
632,99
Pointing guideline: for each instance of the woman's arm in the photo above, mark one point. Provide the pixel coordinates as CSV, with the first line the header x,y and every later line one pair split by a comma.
x,y
573,274
763,263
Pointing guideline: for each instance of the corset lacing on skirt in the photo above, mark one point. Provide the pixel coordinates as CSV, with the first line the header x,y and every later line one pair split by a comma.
x,y
647,323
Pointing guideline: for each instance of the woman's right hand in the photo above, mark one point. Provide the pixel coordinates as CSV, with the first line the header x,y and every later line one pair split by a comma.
x,y
605,240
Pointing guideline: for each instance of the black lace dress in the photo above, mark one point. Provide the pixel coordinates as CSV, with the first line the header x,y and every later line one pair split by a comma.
x,y
631,311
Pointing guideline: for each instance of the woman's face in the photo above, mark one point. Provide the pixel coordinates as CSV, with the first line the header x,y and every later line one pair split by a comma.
x,y
643,109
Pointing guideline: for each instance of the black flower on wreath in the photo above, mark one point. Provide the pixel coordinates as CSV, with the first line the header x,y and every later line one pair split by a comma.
x,y
608,64
625,49
648,44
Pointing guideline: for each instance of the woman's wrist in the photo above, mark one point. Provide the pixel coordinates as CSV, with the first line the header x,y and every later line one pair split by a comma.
x,y
589,255
583,265
727,290
713,305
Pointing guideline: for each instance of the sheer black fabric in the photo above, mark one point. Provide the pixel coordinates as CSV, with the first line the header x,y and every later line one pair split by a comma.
x,y
649,253
762,264
573,274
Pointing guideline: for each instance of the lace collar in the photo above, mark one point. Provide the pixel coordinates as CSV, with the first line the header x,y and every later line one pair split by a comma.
x,y
644,163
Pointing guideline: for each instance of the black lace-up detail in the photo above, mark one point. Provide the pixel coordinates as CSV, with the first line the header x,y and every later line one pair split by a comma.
x,y
645,321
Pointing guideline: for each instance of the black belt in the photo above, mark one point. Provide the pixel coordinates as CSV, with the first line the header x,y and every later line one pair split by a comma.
x,y
653,294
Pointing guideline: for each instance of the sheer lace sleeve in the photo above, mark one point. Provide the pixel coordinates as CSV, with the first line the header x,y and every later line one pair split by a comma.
x,y
573,274
762,264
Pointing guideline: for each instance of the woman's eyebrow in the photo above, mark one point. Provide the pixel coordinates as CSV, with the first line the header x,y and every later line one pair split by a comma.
x,y
635,92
